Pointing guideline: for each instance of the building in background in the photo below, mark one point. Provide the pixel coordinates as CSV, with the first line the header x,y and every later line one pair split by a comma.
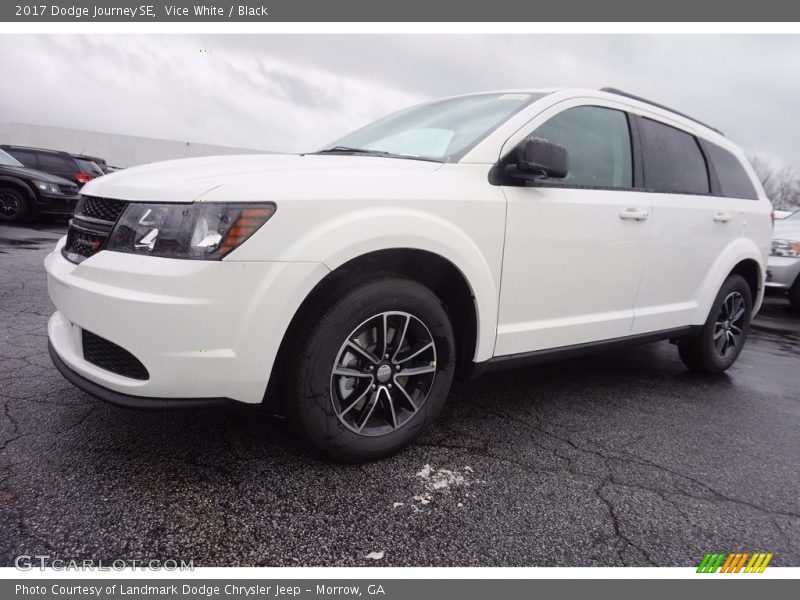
x,y
118,150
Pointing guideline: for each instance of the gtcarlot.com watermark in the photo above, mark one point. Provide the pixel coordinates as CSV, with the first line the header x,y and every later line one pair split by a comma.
x,y
27,562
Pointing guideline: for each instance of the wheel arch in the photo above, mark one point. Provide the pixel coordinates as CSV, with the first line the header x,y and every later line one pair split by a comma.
x,y
751,271
432,270
17,184
742,257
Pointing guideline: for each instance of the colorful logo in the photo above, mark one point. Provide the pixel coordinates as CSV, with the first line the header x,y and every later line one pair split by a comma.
x,y
736,562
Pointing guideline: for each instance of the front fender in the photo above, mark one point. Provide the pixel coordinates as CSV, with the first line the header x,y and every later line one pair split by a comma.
x,y
18,184
356,233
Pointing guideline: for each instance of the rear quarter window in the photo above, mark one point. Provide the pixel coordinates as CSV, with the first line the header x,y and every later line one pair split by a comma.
x,y
734,182
673,161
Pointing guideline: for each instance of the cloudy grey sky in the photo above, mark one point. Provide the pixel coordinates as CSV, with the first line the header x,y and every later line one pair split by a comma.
x,y
296,92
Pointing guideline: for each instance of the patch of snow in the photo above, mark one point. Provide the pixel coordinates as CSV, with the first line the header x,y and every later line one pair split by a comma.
x,y
375,555
425,473
439,481
442,479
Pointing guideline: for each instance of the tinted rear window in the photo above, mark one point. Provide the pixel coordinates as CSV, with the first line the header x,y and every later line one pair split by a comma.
x,y
673,161
87,166
733,179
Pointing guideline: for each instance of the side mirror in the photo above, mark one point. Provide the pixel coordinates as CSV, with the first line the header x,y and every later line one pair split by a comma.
x,y
538,157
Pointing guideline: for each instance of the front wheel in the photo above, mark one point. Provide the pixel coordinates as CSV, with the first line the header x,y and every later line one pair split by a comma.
x,y
722,337
374,368
13,206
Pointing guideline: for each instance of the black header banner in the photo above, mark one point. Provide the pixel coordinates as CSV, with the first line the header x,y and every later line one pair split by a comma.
x,y
399,11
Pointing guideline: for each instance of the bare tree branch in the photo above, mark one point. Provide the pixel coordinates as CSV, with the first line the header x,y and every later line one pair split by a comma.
x,y
782,185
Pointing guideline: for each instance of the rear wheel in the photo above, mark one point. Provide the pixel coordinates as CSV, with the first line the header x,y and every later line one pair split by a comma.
x,y
373,369
722,337
13,205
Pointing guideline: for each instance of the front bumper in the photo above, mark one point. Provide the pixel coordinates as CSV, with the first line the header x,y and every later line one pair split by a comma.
x,y
202,329
782,272
127,400
56,204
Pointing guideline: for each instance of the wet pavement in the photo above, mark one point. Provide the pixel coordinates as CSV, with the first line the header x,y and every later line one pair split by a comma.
x,y
623,458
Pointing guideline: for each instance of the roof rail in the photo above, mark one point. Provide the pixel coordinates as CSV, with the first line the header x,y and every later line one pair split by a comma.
x,y
18,147
612,90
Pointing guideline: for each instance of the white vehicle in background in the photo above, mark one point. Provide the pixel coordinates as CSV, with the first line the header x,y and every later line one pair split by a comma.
x,y
464,235
782,214
783,268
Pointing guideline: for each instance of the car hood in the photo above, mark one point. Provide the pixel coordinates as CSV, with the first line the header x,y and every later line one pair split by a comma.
x,y
787,230
34,174
260,176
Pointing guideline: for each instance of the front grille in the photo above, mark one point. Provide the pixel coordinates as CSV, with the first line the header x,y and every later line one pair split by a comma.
x,y
68,189
90,227
107,355
104,209
83,243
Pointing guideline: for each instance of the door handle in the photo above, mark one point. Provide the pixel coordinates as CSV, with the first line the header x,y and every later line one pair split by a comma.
x,y
722,217
634,214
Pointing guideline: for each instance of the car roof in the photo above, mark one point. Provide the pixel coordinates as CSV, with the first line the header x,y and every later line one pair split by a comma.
x,y
33,149
601,93
618,92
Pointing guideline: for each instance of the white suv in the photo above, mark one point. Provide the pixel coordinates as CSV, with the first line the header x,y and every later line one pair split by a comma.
x,y
464,235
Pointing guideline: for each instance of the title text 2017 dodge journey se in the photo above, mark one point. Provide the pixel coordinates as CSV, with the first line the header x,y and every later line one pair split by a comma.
x,y
452,238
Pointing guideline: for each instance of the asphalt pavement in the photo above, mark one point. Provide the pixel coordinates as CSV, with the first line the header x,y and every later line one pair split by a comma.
x,y
622,458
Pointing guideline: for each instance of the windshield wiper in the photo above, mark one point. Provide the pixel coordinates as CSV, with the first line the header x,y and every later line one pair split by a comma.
x,y
366,152
350,150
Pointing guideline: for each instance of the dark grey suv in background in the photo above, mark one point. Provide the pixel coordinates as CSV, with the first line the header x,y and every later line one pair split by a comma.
x,y
25,192
55,162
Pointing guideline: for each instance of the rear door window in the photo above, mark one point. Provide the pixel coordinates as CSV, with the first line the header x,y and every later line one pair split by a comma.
x,y
55,163
673,161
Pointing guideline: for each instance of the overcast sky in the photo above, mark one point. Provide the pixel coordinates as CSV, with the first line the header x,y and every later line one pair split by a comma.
x,y
297,92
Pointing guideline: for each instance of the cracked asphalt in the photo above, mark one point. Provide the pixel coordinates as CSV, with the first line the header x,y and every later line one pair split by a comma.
x,y
624,458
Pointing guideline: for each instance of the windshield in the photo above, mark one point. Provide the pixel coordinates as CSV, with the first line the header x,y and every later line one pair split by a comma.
x,y
8,160
795,216
444,130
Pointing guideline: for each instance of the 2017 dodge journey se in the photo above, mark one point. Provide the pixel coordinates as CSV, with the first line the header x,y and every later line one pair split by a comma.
x,y
452,238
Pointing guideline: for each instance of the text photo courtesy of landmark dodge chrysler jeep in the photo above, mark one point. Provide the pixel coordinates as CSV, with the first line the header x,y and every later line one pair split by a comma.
x,y
463,235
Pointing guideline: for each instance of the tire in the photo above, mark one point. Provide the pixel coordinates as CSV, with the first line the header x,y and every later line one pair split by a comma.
x,y
794,296
14,206
394,397
724,333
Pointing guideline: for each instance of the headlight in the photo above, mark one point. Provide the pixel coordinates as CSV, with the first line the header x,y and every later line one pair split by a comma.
x,y
50,188
785,248
205,231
